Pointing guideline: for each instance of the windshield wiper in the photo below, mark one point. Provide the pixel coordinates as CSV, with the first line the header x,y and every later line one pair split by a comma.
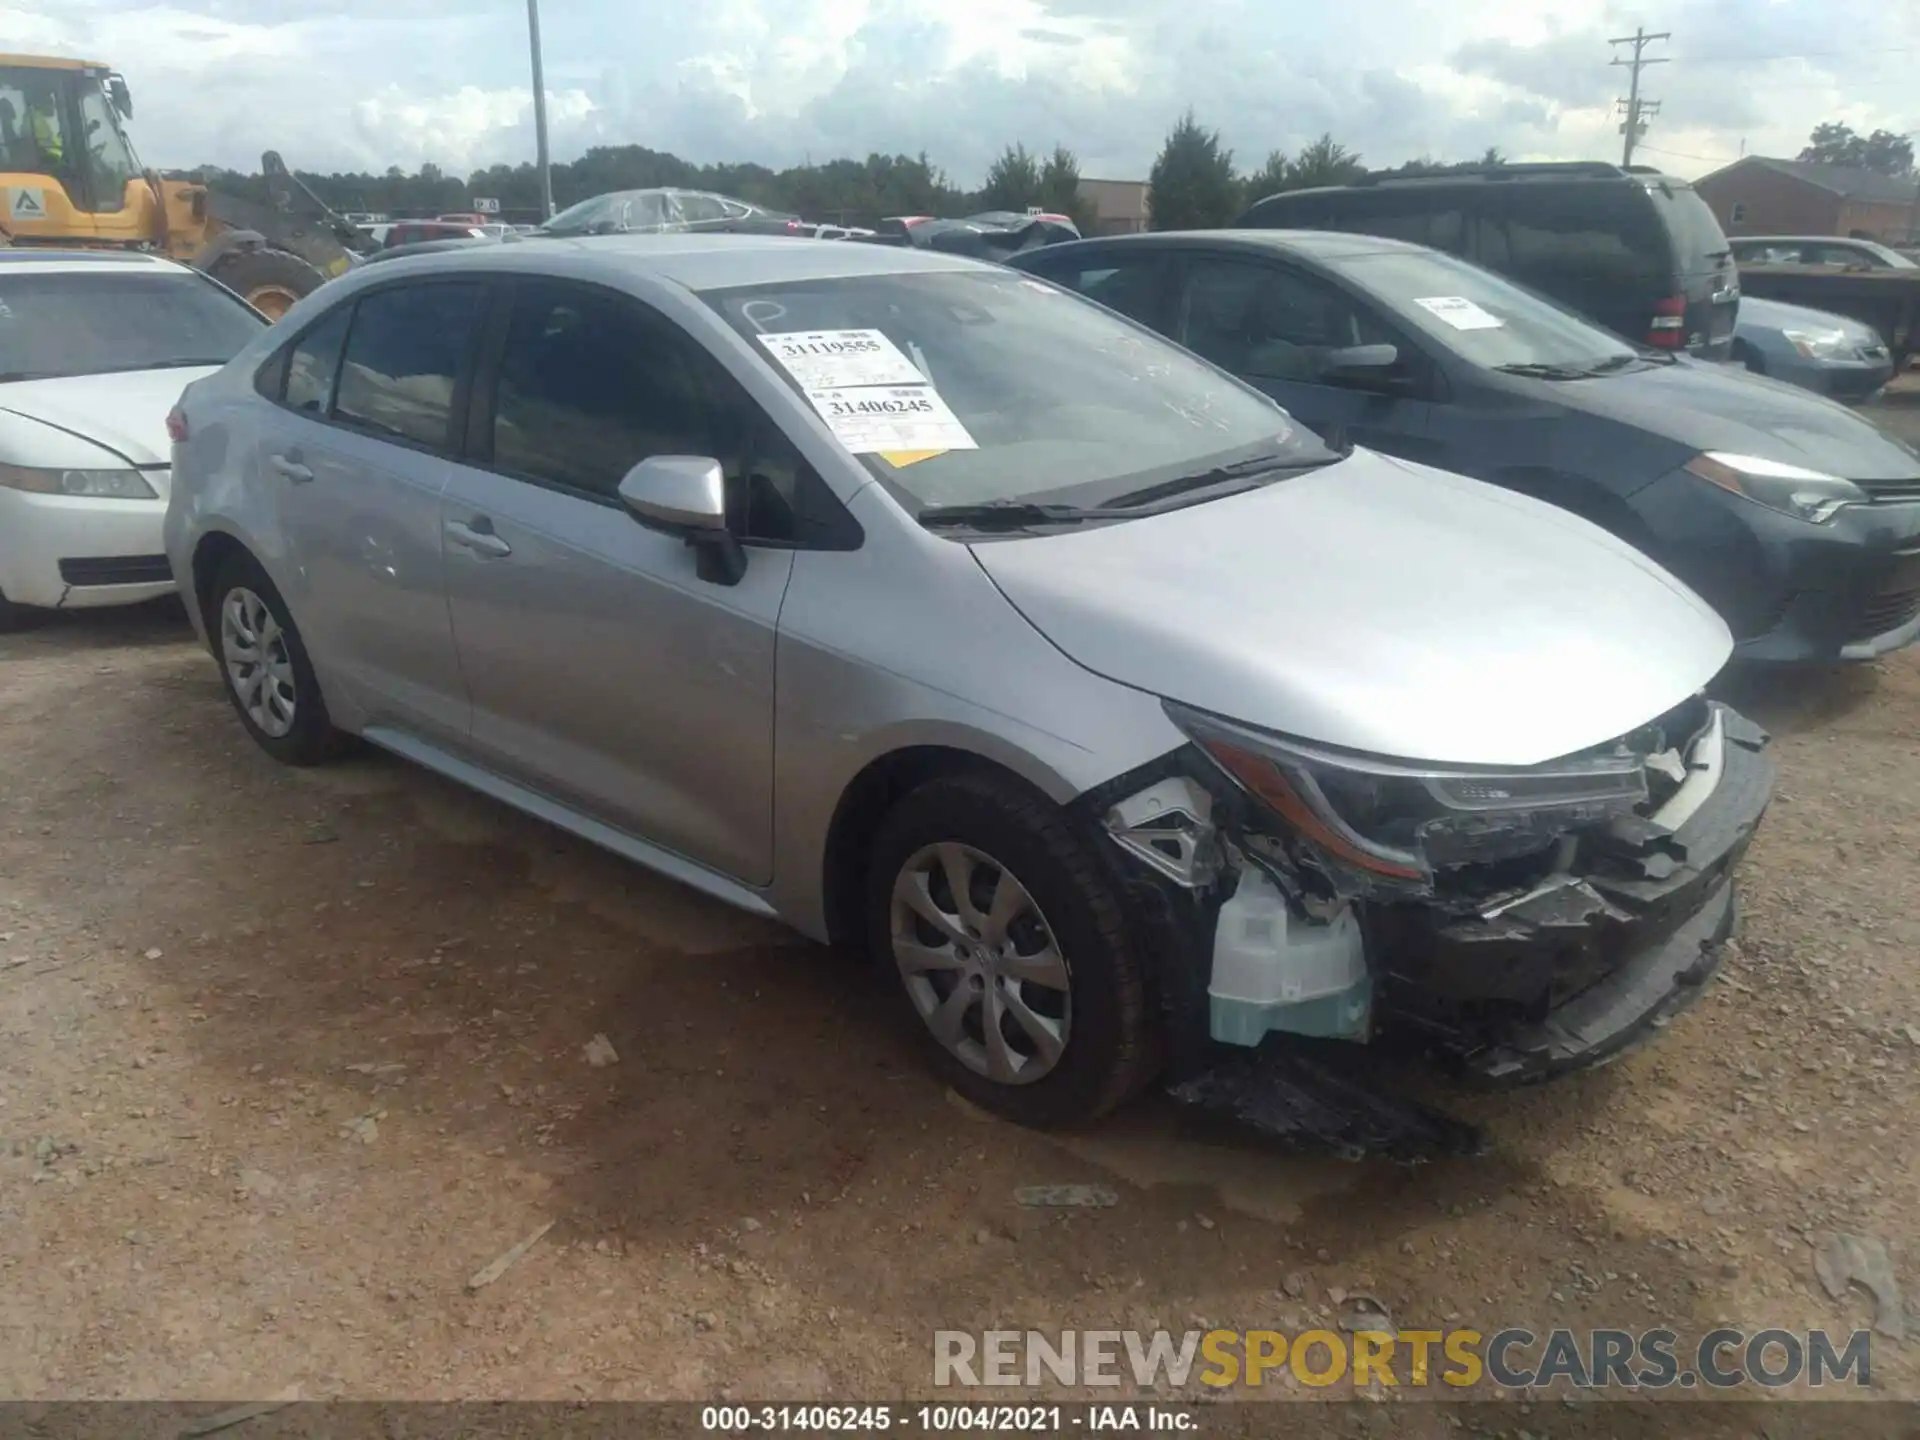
x,y
1258,471
1015,514
182,364
1540,370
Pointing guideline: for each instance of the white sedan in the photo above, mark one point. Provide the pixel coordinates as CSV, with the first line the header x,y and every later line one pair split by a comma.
x,y
95,348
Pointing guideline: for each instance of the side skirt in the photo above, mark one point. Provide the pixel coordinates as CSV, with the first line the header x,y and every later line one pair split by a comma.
x,y
542,807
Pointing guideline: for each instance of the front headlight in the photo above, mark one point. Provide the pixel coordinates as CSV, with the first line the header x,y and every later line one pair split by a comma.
x,y
1821,344
1804,494
94,484
1400,820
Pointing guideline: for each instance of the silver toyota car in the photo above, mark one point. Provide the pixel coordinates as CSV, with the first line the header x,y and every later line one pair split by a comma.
x,y
952,618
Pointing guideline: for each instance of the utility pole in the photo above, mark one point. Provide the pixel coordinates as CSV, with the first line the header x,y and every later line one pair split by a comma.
x,y
1637,108
540,112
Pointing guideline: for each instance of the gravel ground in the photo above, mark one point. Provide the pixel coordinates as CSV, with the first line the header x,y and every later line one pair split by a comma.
x,y
287,1057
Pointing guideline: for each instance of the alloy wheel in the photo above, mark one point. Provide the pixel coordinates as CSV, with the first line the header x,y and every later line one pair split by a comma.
x,y
980,963
259,667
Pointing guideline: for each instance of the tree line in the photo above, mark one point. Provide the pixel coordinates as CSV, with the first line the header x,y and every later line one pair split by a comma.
x,y
1193,180
1193,183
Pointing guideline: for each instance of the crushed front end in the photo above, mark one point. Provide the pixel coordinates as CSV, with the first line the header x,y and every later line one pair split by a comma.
x,y
1524,922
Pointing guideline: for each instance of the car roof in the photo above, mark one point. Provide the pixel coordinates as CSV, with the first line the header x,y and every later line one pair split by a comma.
x,y
1312,244
695,261
32,259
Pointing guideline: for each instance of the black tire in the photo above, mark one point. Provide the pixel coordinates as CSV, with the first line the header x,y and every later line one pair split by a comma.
x,y
1111,1035
1751,358
19,617
311,737
269,280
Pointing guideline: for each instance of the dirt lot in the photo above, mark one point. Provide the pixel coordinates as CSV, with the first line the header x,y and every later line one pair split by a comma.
x,y
286,1057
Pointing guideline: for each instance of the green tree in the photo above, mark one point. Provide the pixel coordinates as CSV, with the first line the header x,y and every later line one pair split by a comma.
x,y
1834,143
1060,188
1324,162
1191,185
1271,178
1013,181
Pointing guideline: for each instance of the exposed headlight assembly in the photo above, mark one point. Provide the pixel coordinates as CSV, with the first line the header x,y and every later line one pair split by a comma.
x,y
1399,820
95,484
1805,494
1822,344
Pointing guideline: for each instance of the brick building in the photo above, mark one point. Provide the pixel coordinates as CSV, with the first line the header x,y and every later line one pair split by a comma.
x,y
1758,196
1119,206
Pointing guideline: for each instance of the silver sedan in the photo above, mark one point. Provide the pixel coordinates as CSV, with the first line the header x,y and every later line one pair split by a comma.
x,y
959,621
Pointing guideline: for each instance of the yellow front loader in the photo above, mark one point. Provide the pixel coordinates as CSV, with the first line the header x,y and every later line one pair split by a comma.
x,y
69,179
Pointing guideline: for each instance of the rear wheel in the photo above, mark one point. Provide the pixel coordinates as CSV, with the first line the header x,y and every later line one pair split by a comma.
x,y
264,663
271,281
1007,944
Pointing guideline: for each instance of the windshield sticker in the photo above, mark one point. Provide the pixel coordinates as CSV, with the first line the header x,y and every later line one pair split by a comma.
x,y
1460,312
837,359
900,459
879,419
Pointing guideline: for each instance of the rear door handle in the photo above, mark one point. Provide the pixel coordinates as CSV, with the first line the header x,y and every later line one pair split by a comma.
x,y
478,537
289,469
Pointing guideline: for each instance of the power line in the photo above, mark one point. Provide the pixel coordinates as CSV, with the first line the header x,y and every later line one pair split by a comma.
x,y
1636,108
1719,59
1688,155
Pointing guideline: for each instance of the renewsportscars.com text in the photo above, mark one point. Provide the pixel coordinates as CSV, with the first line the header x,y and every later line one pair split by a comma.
x,y
1655,1359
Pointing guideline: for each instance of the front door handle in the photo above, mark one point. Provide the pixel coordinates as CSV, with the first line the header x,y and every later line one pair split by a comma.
x,y
482,541
289,468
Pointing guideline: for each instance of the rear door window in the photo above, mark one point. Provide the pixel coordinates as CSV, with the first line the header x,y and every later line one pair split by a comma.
x,y
314,362
406,351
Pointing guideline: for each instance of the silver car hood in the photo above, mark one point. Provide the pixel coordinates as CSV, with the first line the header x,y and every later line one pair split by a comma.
x,y
1380,606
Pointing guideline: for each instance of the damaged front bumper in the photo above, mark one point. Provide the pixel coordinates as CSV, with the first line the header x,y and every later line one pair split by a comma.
x,y
1586,965
1517,971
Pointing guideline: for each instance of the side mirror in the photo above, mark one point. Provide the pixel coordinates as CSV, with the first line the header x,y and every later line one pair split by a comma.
x,y
1364,367
122,97
686,495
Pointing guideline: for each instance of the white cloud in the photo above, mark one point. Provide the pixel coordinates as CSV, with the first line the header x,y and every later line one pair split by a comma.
x,y
363,84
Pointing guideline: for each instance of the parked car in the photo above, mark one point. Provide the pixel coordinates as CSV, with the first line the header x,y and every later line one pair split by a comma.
x,y
1018,219
1796,518
667,208
1637,251
1827,354
1210,733
413,232
1818,250
95,347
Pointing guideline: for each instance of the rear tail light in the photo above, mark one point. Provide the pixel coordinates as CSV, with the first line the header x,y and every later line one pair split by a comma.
x,y
1669,324
176,425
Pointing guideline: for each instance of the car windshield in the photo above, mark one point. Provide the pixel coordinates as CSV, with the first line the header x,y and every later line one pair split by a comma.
x,y
1482,317
982,386
85,322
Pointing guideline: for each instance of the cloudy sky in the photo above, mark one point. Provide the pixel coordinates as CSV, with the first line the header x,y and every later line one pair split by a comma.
x,y
364,84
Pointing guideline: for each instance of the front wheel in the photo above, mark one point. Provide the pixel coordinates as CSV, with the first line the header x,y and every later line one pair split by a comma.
x,y
264,663
272,281
1007,944
19,617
